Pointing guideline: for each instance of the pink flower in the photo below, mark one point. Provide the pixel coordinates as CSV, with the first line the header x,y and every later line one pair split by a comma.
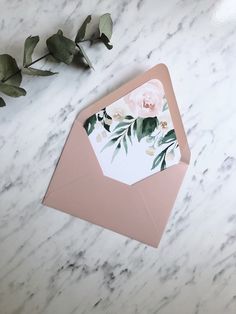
x,y
146,100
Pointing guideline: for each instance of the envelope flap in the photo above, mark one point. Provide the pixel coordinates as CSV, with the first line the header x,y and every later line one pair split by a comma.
x,y
79,188
108,204
159,193
76,153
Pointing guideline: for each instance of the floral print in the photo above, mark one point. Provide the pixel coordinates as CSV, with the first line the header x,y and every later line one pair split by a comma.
x,y
146,101
141,118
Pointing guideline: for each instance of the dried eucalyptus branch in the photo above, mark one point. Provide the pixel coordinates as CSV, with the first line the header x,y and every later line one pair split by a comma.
x,y
60,48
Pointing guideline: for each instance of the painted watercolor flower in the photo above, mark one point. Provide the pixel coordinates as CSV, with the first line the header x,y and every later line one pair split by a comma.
x,y
118,111
165,122
147,100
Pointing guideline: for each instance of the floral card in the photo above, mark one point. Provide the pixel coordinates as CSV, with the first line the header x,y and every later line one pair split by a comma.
x,y
134,137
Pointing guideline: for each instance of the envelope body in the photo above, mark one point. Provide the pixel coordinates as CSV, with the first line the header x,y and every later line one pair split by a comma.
x,y
88,185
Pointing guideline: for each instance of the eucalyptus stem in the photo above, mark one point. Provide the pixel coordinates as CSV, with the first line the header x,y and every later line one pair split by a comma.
x,y
46,55
62,48
28,65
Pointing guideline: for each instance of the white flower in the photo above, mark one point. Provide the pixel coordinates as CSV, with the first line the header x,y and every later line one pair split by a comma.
x,y
146,100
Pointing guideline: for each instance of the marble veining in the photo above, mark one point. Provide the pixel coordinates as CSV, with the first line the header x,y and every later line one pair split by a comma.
x,y
53,263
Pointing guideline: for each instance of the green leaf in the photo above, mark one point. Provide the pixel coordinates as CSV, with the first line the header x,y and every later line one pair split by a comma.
x,y
139,128
110,143
29,46
82,31
122,125
106,126
135,127
37,72
84,55
116,151
169,137
163,164
120,131
8,67
2,102
106,25
103,117
105,29
145,127
125,145
106,42
90,124
62,48
129,135
157,160
13,91
107,115
129,118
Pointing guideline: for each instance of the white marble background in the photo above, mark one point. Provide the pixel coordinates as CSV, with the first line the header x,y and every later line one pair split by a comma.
x,y
53,263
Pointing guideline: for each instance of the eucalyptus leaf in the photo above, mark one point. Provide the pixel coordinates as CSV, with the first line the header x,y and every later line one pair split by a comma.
x,y
106,42
52,59
37,72
106,25
13,91
29,46
2,102
82,31
84,55
62,48
8,67
105,29
60,32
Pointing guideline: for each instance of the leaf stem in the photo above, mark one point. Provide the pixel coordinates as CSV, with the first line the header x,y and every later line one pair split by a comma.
x,y
28,65
46,55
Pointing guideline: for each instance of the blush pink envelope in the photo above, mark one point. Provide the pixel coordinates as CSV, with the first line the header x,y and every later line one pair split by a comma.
x,y
80,188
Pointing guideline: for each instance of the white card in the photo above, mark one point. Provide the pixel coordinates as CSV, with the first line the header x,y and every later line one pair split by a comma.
x,y
134,137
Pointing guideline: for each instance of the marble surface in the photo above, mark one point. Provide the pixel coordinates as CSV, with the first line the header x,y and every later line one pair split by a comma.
x,y
53,263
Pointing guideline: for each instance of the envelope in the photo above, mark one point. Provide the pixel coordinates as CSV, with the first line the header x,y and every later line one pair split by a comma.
x,y
120,194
